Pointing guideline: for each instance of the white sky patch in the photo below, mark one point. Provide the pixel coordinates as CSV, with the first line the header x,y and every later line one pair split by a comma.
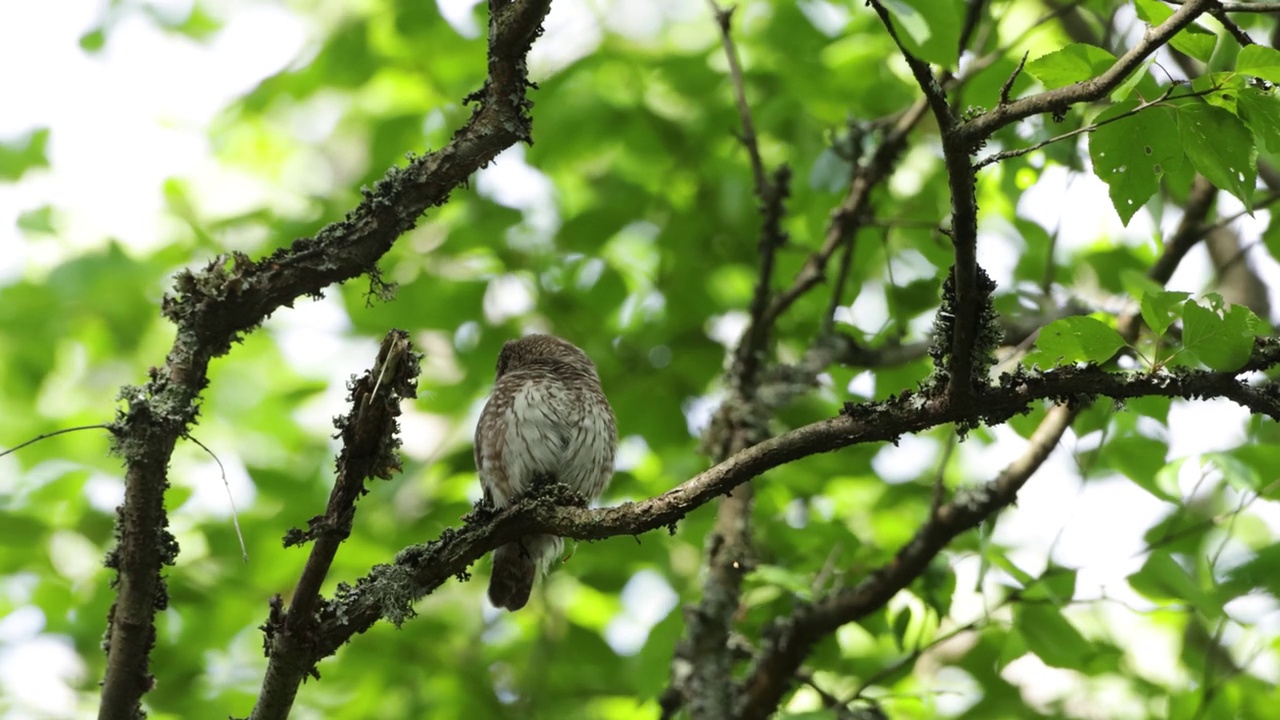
x,y
506,297
104,492
911,458
460,14
211,496
1201,427
863,385
640,21
632,450
311,338
422,435
727,329
1078,205
36,674
571,32
646,600
699,410
512,182
122,120
827,18
869,311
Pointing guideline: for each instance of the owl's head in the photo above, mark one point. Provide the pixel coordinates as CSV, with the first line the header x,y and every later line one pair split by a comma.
x,y
542,351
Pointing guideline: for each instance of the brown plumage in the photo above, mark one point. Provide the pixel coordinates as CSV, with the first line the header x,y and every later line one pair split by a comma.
x,y
547,420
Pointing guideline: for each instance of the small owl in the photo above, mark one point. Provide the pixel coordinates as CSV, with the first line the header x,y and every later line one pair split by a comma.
x,y
546,421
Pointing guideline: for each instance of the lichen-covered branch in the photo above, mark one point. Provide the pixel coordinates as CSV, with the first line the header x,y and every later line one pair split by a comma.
x,y
370,437
213,307
976,130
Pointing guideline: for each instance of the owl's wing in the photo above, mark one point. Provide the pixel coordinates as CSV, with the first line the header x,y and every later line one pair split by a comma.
x,y
491,427
593,441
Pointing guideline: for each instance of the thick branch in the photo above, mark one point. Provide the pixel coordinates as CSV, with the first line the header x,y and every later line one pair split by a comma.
x,y
213,307
962,182
737,425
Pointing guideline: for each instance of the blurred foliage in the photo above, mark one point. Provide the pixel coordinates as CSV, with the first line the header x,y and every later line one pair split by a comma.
x,y
630,228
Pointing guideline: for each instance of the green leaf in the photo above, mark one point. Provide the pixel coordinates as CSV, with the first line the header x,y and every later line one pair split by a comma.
x,y
931,28
777,576
1073,340
1130,154
1220,147
1056,585
1192,40
1221,341
1137,283
22,154
1163,579
1250,466
1238,472
1051,636
1125,89
901,624
1259,61
40,220
1260,111
999,558
93,41
1162,309
1262,571
1140,459
22,531
1073,63
1163,483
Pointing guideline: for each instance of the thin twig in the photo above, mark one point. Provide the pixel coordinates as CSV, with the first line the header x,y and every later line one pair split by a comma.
x,y
850,216
1240,7
1231,26
235,515
724,18
1165,96
975,131
55,433
1007,87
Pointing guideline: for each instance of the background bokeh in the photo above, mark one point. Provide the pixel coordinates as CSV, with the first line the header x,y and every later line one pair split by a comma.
x,y
137,138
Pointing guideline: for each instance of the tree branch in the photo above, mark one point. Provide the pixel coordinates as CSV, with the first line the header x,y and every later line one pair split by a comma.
x,y
1241,7
389,591
976,131
788,641
738,424
853,210
212,308
369,441
967,292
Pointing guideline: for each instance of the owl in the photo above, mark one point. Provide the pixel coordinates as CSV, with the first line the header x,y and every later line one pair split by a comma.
x,y
546,421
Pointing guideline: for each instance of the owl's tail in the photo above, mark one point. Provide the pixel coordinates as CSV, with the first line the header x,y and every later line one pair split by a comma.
x,y
516,565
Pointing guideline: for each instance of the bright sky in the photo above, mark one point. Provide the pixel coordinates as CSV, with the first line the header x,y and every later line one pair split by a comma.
x,y
125,119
